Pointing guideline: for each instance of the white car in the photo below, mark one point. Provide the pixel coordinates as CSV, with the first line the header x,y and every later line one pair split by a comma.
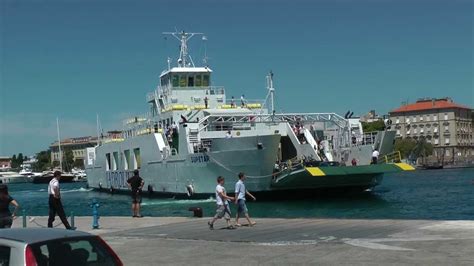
x,y
50,247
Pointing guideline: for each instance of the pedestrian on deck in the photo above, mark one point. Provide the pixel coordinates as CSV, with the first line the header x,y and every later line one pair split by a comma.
x,y
242,100
6,217
375,156
55,204
240,193
222,201
206,102
354,162
232,102
135,183
228,135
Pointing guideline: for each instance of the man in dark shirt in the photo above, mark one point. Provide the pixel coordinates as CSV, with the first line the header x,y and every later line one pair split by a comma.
x,y
135,183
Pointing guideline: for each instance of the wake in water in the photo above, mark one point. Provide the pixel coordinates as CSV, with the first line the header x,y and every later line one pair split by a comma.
x,y
76,190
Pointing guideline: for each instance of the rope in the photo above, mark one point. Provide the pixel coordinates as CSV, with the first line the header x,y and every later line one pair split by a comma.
x,y
252,176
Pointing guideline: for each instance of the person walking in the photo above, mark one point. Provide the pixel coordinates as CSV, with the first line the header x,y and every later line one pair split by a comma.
x,y
223,209
135,183
55,205
6,217
240,193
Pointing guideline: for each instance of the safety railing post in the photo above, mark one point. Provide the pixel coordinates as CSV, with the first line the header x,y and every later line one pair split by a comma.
x,y
23,214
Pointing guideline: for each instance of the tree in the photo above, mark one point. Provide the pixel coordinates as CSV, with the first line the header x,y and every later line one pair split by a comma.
x,y
43,161
405,146
68,160
413,148
14,161
378,125
422,149
20,159
78,163
17,160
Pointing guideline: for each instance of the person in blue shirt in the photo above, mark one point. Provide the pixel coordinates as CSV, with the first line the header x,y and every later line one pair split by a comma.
x,y
240,193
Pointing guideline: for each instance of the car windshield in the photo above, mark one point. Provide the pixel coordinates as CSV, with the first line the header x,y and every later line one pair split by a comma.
x,y
73,251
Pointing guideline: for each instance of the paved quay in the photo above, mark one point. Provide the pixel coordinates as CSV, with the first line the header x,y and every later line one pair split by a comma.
x,y
184,241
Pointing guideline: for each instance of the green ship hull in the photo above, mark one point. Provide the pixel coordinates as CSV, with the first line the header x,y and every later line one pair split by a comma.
x,y
365,176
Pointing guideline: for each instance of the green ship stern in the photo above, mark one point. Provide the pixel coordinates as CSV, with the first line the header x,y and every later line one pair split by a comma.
x,y
327,177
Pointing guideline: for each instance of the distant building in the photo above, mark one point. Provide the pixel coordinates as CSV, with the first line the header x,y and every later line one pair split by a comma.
x,y
370,117
76,145
446,125
5,162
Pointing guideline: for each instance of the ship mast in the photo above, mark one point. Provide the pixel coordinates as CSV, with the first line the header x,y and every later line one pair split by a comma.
x,y
183,37
271,92
59,143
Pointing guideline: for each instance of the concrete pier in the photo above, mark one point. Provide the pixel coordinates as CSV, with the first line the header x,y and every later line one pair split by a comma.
x,y
185,241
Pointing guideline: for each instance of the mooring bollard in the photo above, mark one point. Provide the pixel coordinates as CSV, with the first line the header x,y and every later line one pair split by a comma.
x,y
23,214
72,220
95,214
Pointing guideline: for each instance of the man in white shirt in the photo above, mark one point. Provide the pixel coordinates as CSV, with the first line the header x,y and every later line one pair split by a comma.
x,y
55,205
375,156
240,192
223,209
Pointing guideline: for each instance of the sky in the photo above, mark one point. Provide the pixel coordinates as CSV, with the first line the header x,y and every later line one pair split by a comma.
x,y
76,59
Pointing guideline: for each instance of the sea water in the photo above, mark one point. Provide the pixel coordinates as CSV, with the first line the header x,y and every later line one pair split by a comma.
x,y
423,194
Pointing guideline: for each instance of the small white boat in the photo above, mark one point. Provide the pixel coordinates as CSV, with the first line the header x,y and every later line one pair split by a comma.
x,y
80,175
13,177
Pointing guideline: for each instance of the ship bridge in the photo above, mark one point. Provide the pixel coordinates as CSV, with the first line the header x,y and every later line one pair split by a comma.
x,y
185,86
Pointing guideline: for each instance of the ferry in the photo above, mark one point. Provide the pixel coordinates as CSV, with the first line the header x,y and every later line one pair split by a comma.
x,y
193,133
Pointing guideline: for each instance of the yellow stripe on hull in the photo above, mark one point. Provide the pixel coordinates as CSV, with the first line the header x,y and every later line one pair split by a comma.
x,y
315,171
405,166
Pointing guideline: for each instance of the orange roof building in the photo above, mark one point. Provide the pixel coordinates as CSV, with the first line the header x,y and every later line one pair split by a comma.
x,y
448,126
430,104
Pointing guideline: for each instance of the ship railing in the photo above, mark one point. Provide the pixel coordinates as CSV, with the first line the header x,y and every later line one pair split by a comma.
x,y
369,138
210,90
137,120
291,164
393,157
247,103
331,118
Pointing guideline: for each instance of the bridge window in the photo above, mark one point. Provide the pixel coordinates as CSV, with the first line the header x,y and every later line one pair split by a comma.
x,y
182,81
198,80
126,164
190,81
107,163
136,158
175,80
205,80
115,161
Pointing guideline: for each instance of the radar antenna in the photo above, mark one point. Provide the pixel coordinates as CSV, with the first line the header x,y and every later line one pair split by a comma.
x,y
183,37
